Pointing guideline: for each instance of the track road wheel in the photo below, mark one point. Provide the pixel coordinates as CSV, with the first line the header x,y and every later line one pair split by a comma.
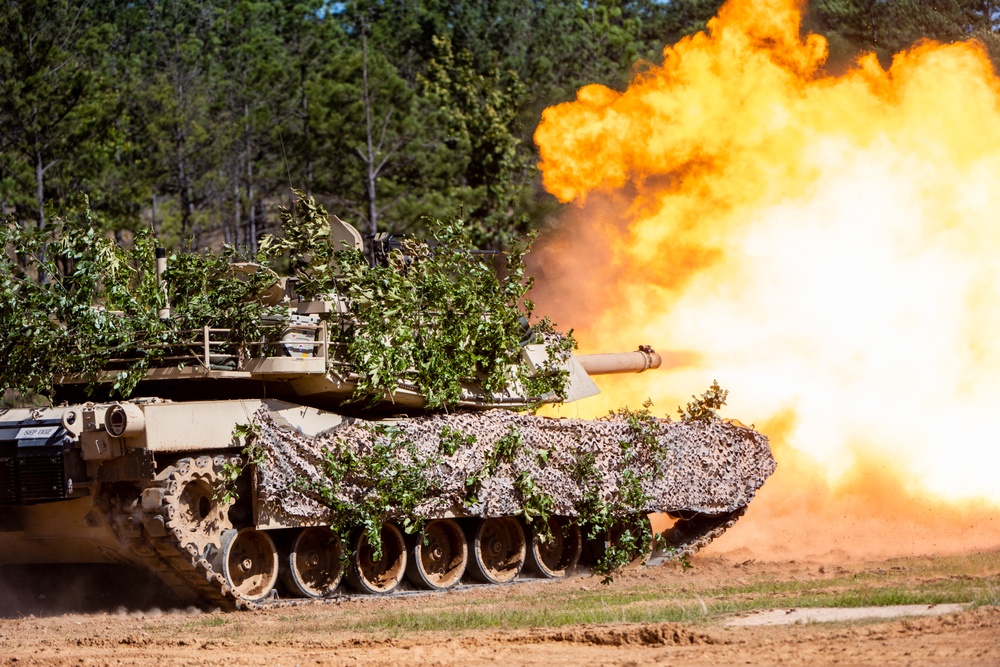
x,y
554,552
498,549
625,538
439,555
368,575
314,563
250,564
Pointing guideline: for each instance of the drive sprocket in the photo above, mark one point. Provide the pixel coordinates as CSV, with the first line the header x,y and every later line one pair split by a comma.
x,y
192,509
184,521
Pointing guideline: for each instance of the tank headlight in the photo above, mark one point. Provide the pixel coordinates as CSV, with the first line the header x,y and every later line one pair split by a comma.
x,y
124,420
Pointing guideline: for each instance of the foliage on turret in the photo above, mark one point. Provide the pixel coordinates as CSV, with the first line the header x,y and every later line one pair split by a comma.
x,y
437,315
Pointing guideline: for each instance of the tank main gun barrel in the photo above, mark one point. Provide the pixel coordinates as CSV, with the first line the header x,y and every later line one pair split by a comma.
x,y
641,360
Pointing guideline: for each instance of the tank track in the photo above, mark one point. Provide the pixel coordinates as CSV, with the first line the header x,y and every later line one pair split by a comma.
x,y
158,532
162,535
694,534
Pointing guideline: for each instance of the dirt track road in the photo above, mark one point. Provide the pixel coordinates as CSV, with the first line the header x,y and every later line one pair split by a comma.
x,y
971,638
356,632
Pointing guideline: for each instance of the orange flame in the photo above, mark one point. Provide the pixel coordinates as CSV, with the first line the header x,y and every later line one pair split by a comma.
x,y
827,247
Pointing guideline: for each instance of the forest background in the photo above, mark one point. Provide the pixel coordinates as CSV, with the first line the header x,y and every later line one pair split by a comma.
x,y
197,118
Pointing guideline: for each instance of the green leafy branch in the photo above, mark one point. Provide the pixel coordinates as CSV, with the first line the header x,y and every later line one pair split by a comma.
x,y
248,437
704,408
392,480
436,315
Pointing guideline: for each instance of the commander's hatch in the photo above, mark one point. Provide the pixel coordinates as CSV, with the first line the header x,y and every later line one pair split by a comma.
x,y
344,236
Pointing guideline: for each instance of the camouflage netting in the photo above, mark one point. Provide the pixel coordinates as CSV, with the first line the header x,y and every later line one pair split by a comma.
x,y
709,467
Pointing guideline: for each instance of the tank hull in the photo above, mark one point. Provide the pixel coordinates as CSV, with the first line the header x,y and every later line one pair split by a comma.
x,y
227,521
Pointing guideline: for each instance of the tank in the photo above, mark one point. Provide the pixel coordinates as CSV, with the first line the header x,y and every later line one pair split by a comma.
x,y
252,475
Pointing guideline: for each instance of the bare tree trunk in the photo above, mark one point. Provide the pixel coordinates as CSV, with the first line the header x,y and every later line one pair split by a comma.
x,y
183,183
153,221
305,130
40,187
251,208
237,214
370,168
871,22
183,190
43,278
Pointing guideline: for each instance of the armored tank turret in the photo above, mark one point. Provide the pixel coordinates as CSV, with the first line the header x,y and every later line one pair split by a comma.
x,y
268,461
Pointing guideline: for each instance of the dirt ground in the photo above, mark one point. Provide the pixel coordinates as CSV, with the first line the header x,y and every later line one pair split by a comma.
x,y
57,632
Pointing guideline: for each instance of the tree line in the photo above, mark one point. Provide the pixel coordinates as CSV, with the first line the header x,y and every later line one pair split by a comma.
x,y
197,117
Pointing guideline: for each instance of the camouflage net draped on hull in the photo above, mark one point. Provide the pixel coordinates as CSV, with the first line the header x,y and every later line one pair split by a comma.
x,y
498,463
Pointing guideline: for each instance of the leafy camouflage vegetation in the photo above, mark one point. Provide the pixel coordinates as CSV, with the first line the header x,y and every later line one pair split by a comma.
x,y
74,301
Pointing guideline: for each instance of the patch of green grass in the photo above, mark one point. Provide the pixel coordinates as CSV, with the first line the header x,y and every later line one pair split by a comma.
x,y
690,597
969,579
855,592
561,611
525,618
